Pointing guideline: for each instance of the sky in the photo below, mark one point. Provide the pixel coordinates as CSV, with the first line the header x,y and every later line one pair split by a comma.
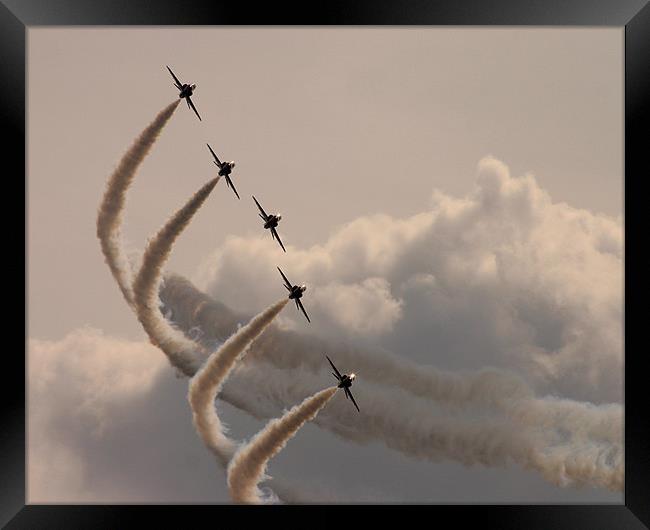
x,y
451,195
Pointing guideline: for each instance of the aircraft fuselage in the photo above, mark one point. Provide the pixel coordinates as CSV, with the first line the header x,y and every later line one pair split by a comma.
x,y
225,169
346,382
186,90
296,291
272,222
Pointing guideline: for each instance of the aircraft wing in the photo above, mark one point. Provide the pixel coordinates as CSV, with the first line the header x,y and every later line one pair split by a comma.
x,y
287,282
303,310
214,155
337,372
275,233
179,85
229,182
285,278
265,217
347,391
190,104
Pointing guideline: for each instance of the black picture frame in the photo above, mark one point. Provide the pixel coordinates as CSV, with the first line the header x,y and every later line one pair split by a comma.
x,y
17,15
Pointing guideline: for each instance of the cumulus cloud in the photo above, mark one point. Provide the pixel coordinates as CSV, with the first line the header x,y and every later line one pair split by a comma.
x,y
108,421
504,276
296,354
77,384
366,308
104,369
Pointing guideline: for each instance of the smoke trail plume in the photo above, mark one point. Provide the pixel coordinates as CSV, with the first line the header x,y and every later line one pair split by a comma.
x,y
181,351
490,440
109,217
207,382
419,429
488,388
142,294
247,467
567,442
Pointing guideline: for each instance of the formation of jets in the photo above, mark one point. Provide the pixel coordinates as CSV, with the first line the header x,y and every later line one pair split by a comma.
x,y
271,222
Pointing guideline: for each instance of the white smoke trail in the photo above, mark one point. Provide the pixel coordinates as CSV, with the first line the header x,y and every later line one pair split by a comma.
x,y
142,294
529,434
589,453
488,388
408,423
109,217
415,427
247,468
181,351
207,382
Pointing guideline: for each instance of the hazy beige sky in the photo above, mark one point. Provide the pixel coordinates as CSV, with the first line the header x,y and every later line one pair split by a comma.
x,y
327,126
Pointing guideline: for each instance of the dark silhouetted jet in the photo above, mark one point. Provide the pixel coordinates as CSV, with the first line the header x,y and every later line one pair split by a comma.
x,y
295,293
345,382
225,168
186,92
270,222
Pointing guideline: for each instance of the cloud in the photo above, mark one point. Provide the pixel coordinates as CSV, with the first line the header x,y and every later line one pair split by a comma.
x,y
503,276
101,370
366,308
137,442
109,422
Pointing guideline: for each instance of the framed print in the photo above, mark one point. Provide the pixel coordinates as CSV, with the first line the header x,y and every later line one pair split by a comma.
x,y
368,257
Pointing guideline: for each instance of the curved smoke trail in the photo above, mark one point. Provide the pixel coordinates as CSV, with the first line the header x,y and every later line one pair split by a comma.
x,y
207,382
540,445
414,427
247,468
528,431
109,217
488,388
586,457
185,355
181,351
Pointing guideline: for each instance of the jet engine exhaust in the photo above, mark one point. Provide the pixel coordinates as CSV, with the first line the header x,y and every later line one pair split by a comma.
x,y
207,382
247,468
181,351
109,216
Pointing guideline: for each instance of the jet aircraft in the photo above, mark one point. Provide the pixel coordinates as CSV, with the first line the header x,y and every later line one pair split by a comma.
x,y
345,382
225,168
270,222
186,92
295,293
